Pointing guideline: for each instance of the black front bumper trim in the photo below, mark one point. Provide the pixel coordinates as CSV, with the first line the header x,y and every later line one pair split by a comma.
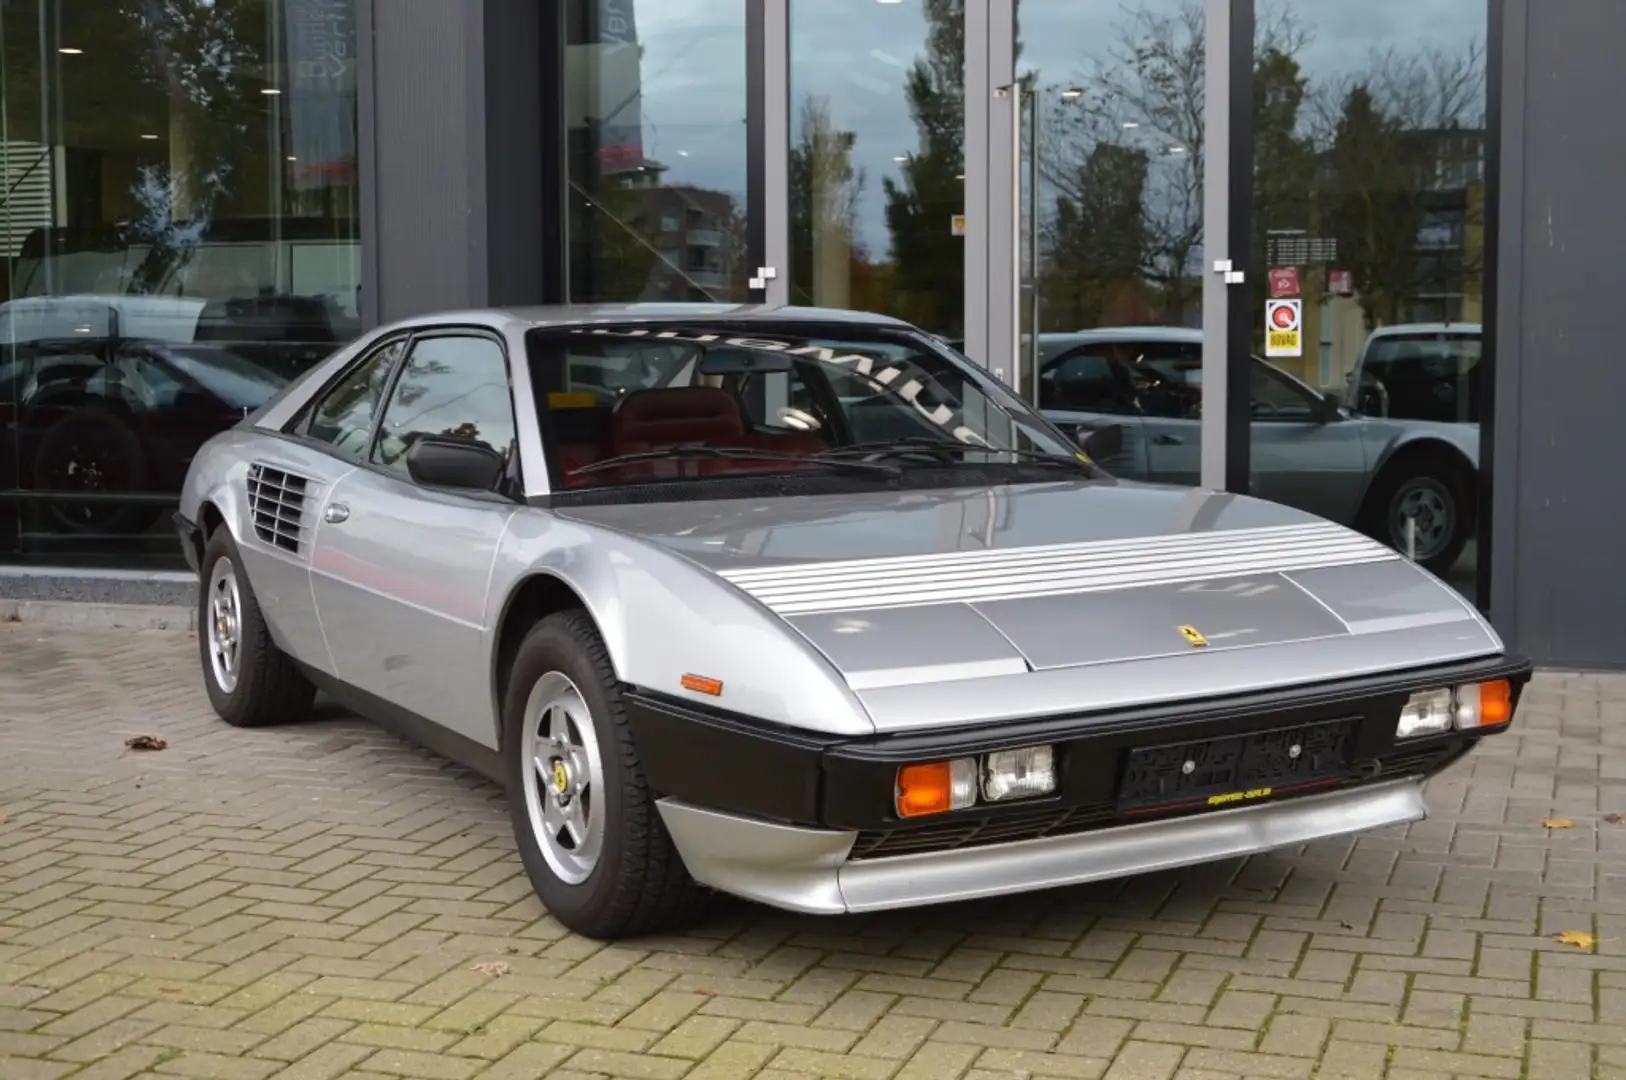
x,y
191,537
741,765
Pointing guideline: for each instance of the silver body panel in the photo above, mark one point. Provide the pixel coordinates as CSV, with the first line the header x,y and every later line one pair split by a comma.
x,y
807,870
852,615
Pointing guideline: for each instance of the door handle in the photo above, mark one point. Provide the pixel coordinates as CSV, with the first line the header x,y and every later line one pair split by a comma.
x,y
1167,440
335,513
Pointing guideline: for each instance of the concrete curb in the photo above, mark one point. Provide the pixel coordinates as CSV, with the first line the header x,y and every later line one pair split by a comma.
x,y
73,613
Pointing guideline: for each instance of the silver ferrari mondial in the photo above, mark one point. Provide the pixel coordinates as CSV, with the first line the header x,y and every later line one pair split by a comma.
x,y
801,606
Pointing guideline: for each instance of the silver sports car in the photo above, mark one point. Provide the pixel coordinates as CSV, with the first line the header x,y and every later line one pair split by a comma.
x,y
800,605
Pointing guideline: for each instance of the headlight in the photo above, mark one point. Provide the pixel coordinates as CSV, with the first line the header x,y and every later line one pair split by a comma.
x,y
1427,712
936,787
1466,707
1018,774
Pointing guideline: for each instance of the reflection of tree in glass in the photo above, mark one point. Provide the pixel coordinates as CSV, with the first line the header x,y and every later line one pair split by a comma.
x,y
198,52
827,255
927,258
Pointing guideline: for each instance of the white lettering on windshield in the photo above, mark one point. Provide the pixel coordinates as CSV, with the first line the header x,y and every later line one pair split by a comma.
x,y
859,363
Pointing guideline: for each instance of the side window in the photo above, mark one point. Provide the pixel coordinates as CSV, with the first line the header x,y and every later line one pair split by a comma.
x,y
454,387
344,417
1275,398
1169,380
1085,382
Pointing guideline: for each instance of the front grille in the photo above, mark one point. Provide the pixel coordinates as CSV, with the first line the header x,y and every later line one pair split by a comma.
x,y
957,832
276,499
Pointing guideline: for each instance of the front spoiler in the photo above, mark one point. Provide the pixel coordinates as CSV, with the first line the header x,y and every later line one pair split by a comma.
x,y
808,870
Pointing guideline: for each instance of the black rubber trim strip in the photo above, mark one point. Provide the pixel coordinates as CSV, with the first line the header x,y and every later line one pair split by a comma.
x,y
738,764
191,538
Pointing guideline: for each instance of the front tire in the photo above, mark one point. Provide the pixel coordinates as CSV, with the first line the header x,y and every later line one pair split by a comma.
x,y
584,819
251,682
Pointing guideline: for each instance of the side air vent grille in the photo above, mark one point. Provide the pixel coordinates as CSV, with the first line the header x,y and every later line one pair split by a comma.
x,y
276,499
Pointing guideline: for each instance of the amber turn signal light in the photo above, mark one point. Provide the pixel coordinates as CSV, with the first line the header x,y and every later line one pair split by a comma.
x,y
936,787
1485,704
702,685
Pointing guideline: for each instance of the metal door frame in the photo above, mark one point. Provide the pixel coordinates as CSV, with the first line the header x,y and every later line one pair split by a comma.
x,y
993,312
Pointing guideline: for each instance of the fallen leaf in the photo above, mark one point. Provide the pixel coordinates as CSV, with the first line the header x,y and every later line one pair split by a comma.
x,y
510,949
491,967
1614,819
1579,938
145,742
1557,823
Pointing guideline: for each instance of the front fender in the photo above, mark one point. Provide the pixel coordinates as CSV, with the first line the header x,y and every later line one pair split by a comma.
x,y
663,617
216,476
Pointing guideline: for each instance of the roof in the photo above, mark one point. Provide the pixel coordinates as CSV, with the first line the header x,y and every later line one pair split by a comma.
x,y
1464,328
563,314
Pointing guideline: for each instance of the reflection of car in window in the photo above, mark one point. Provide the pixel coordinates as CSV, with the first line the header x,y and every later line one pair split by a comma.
x,y
109,399
704,647
1404,482
1419,372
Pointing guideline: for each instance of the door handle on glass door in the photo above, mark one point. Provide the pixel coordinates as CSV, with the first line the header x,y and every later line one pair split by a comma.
x,y
1167,440
335,513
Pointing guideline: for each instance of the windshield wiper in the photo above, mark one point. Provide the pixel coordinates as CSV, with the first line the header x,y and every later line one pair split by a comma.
x,y
945,451
732,453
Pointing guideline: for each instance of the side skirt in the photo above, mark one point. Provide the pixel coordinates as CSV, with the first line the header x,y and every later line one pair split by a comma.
x,y
411,726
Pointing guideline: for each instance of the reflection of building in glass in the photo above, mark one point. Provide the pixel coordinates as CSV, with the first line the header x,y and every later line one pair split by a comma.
x,y
1417,256
631,236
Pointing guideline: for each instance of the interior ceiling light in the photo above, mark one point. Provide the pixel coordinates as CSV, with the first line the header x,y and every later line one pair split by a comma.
x,y
270,91
69,50
149,137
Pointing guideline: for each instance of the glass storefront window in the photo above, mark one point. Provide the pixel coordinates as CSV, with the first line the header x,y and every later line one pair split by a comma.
x,y
655,105
1368,268
1112,224
179,230
877,158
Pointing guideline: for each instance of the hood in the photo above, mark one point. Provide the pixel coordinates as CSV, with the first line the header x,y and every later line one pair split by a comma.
x,y
948,606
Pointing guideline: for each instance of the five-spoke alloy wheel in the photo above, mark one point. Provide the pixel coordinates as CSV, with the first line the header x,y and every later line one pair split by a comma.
x,y
564,787
251,682
586,823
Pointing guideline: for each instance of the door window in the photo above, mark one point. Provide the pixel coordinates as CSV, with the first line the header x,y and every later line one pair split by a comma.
x,y
1086,381
1275,397
344,417
453,387
1168,379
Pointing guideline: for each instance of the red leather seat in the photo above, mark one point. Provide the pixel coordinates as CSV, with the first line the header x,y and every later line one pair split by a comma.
x,y
649,419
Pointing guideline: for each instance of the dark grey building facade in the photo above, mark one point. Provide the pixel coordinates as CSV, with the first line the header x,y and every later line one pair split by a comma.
x,y
202,198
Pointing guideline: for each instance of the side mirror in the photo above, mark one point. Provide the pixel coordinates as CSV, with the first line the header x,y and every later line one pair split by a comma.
x,y
1102,443
434,461
1330,407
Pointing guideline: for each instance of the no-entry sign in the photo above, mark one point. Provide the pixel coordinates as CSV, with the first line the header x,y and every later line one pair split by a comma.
x,y
1284,328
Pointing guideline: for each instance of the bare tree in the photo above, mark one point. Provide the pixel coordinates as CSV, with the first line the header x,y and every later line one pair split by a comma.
x,y
1146,94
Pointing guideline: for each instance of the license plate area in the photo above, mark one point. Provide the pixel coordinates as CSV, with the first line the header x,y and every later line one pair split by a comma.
x,y
1234,770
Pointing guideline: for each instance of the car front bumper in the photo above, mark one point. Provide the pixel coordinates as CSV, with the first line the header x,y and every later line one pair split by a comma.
x,y
808,822
811,871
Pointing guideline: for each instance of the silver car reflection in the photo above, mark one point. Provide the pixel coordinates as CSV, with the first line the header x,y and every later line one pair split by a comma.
x,y
801,606
1413,484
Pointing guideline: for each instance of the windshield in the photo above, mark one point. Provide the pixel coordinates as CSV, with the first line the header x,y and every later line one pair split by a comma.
x,y
709,402
240,383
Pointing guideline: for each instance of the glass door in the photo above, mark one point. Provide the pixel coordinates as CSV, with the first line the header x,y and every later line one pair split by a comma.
x,y
1104,261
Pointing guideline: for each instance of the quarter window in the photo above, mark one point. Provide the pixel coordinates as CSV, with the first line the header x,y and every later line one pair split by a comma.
x,y
453,387
344,418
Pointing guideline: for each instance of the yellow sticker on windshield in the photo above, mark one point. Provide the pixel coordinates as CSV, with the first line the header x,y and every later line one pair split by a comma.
x,y
571,401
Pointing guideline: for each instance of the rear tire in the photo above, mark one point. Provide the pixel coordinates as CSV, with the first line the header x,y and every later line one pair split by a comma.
x,y
585,821
1439,492
251,682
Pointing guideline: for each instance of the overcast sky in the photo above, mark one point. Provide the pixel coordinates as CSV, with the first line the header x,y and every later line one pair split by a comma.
x,y
856,54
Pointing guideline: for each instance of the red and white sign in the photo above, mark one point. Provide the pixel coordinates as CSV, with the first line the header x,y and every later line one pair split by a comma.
x,y
1284,281
1283,328
1341,282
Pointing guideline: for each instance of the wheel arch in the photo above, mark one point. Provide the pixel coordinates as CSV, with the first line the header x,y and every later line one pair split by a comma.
x,y
534,597
1424,447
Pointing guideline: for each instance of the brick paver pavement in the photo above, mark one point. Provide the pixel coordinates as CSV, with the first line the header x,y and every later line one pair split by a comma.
x,y
324,901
